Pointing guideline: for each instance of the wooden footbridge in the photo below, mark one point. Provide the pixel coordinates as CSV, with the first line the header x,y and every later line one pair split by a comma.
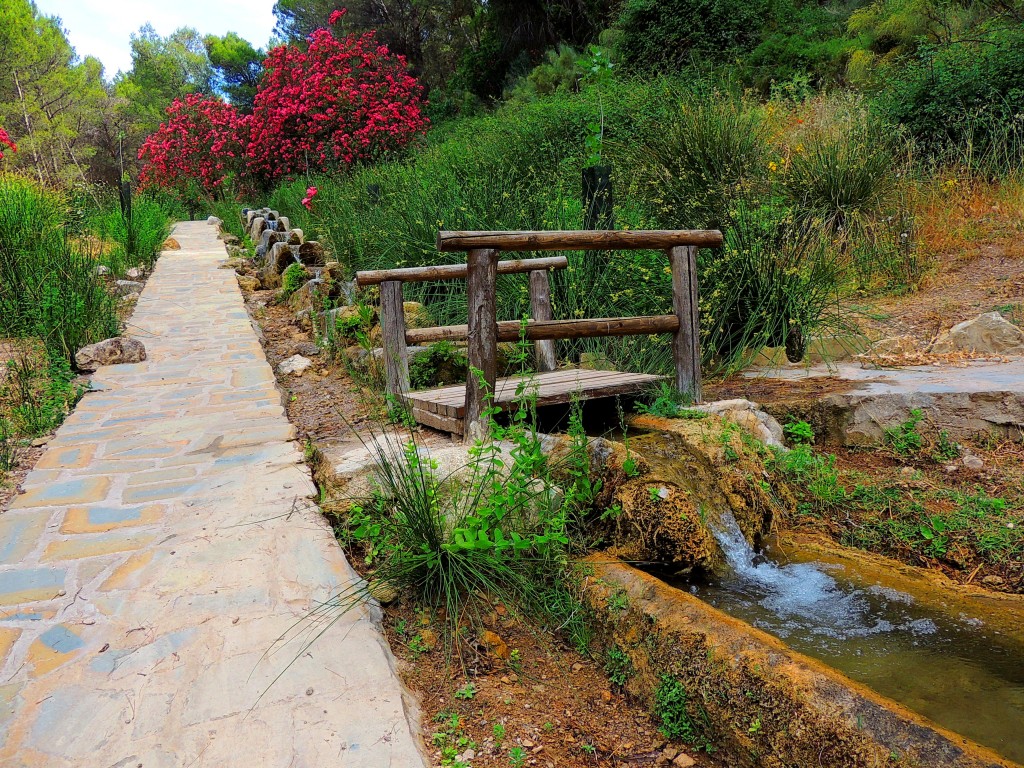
x,y
458,409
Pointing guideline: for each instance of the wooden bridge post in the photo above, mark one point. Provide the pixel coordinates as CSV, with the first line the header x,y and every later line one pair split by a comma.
x,y
540,309
686,341
482,337
392,323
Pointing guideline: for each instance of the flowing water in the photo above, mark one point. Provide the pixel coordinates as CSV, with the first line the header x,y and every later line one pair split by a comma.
x,y
954,671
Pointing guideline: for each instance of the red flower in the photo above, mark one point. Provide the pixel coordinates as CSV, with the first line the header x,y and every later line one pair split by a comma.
x,y
5,139
335,17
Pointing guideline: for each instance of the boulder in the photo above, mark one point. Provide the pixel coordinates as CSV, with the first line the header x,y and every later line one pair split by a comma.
x,y
294,365
308,295
126,287
286,223
248,282
256,228
120,349
214,221
295,237
267,239
170,244
989,333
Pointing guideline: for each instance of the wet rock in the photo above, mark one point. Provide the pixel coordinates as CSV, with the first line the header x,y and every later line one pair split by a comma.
x,y
973,462
284,223
988,333
267,239
114,351
295,237
170,244
259,224
127,287
294,365
248,282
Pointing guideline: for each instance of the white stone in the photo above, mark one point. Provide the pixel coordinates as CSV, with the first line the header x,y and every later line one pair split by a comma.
x,y
989,333
972,462
127,287
296,365
748,415
214,220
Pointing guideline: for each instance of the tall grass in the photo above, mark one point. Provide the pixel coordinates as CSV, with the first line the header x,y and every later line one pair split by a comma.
x,y
137,239
48,287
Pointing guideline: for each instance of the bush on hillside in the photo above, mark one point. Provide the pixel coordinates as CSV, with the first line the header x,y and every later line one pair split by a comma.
x,y
667,35
967,95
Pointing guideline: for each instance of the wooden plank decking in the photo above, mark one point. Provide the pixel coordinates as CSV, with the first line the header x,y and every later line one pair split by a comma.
x,y
444,408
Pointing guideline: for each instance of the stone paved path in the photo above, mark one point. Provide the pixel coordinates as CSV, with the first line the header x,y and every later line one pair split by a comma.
x,y
161,546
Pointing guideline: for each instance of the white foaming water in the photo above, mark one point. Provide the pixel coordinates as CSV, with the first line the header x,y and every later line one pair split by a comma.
x,y
803,598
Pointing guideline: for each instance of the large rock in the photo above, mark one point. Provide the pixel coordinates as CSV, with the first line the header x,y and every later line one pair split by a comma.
x,y
989,333
127,287
312,253
416,315
214,221
749,416
295,237
248,282
120,349
256,228
295,365
267,239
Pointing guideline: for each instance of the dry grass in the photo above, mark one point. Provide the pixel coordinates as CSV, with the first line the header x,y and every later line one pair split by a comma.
x,y
957,215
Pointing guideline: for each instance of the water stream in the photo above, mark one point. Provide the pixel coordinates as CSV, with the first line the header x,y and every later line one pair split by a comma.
x,y
955,671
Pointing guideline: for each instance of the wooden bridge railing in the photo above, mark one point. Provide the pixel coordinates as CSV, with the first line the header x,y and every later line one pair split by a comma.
x,y
483,331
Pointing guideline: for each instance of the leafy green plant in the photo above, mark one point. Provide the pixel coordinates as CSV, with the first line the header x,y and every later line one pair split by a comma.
x,y
293,278
517,757
618,666
946,449
671,708
799,432
905,439
468,691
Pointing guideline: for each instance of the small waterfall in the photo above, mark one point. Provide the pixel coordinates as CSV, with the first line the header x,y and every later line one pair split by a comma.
x,y
803,598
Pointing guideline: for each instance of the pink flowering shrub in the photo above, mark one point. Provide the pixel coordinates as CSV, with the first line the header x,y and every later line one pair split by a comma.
x,y
336,103
307,201
5,140
196,149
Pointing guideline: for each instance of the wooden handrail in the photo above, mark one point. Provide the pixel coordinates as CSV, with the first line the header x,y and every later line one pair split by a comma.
x,y
579,240
537,330
455,271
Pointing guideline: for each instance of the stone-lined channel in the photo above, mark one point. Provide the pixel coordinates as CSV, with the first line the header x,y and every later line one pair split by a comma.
x,y
956,671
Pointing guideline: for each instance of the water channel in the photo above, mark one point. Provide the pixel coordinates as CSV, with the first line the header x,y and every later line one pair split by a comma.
x,y
955,671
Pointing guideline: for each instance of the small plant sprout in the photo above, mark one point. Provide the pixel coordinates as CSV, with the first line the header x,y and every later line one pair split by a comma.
x,y
799,432
468,691
517,757
499,733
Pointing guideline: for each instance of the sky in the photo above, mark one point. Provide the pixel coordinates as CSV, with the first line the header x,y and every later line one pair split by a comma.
x,y
102,28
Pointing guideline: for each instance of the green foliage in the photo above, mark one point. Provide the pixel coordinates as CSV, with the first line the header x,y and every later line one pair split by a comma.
x,y
48,287
905,439
441,363
671,708
237,66
668,402
666,35
618,666
490,530
815,475
964,95
799,432
517,757
293,278
946,449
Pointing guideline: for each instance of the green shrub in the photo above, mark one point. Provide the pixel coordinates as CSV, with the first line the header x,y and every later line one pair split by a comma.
x,y
618,666
799,432
666,35
905,439
963,100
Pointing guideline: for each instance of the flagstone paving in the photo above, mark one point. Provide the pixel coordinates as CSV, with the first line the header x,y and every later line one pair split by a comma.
x,y
163,547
